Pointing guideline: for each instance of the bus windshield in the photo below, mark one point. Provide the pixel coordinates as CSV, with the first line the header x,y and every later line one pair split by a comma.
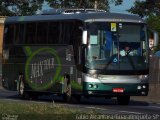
x,y
116,46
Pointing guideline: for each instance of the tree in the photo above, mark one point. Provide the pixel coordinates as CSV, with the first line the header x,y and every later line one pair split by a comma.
x,y
150,10
30,7
3,10
101,4
20,7
146,8
154,22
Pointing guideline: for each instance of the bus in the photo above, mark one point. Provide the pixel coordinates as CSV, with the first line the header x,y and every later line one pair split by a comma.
x,y
76,52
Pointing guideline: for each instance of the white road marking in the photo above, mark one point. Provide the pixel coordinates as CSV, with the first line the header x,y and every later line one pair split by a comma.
x,y
131,112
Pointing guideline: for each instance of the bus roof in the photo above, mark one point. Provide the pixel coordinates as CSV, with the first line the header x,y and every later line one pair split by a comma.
x,y
85,17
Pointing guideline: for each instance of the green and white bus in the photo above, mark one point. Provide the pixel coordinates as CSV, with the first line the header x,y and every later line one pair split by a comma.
x,y
76,53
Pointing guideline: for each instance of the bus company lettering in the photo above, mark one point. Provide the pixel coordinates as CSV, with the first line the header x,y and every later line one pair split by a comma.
x,y
42,68
39,68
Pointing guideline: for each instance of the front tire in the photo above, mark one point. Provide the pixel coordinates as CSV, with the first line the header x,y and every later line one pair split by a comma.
x,y
123,100
21,89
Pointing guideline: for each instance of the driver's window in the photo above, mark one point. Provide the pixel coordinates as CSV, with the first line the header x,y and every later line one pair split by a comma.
x,y
130,49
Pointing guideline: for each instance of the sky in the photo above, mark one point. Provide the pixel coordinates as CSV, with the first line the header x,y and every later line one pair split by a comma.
x,y
118,9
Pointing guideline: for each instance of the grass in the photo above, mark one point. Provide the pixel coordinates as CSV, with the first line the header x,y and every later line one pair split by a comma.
x,y
37,111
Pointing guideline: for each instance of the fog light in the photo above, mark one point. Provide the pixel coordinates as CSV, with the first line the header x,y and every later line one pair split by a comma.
x,y
144,86
90,85
139,87
95,86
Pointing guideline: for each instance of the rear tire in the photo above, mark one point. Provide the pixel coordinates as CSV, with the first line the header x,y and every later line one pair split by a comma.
x,y
21,86
123,100
67,89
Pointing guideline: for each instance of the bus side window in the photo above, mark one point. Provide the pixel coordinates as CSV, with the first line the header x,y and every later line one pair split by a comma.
x,y
19,35
42,29
53,35
30,33
9,34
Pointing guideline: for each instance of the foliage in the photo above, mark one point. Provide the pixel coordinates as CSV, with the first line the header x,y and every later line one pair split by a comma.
x,y
19,7
101,4
3,10
145,8
30,7
150,10
154,22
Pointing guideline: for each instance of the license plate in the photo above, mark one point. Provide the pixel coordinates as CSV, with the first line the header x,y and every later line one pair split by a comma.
x,y
118,90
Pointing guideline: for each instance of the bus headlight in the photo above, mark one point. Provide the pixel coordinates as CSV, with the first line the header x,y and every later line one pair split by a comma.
x,y
90,85
143,77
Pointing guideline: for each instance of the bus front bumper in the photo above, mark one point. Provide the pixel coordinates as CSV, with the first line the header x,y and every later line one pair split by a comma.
x,y
115,89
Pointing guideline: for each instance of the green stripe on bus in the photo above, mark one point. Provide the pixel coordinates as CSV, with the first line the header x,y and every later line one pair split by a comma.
x,y
76,85
21,18
28,50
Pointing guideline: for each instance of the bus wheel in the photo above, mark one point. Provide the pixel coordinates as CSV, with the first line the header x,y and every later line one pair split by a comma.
x,y
123,100
67,89
21,86
21,91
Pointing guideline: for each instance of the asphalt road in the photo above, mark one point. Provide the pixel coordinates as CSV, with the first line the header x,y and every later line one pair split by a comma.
x,y
100,105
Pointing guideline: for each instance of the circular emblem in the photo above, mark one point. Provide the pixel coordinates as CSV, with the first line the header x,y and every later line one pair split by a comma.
x,y
42,68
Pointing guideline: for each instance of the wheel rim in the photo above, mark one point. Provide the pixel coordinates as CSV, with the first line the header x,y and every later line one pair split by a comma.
x,y
67,90
21,87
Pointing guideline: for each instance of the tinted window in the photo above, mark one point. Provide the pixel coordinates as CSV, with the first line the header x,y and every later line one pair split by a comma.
x,y
67,32
9,34
42,30
54,31
30,33
19,36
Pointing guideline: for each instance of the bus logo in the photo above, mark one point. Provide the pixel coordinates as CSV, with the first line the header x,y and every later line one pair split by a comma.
x,y
42,68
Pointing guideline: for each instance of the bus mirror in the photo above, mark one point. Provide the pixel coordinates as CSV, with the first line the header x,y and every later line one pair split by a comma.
x,y
155,38
84,40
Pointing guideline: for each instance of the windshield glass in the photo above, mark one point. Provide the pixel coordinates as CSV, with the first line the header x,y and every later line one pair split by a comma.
x,y
116,46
